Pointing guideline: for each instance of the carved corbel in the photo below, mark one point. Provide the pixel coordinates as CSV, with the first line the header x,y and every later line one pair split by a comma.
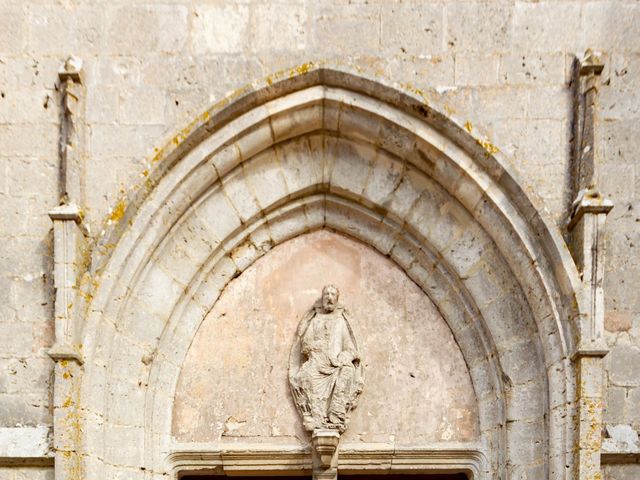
x,y
325,454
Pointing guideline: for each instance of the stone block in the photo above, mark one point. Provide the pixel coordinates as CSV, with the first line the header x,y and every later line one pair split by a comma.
x,y
265,179
478,26
223,272
521,68
620,95
238,192
549,102
25,443
299,167
23,216
127,357
468,250
476,69
102,104
620,144
531,144
31,301
385,177
220,29
619,295
612,26
22,71
256,139
279,26
413,28
29,105
406,195
351,167
24,410
39,140
618,182
494,102
618,321
615,398
13,28
525,445
117,435
95,383
25,375
219,215
173,257
143,106
126,404
547,27
632,407
146,28
16,339
117,71
424,71
125,140
33,176
344,30
621,472
78,30
298,122
623,361
520,363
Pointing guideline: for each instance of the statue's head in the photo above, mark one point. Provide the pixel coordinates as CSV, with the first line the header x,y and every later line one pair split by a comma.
x,y
330,296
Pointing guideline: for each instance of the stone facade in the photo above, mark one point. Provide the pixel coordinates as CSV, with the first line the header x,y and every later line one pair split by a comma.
x,y
430,141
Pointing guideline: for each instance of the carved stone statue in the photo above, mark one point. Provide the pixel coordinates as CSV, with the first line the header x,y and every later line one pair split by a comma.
x,y
325,369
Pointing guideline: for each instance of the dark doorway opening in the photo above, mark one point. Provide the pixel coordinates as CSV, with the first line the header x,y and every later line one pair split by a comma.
x,y
422,476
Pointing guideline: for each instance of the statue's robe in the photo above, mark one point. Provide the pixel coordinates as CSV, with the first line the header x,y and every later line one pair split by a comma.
x,y
329,378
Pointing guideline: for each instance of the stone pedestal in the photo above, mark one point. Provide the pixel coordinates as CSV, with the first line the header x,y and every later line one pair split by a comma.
x,y
325,454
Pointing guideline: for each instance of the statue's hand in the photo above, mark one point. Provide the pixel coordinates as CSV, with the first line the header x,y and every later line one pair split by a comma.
x,y
345,358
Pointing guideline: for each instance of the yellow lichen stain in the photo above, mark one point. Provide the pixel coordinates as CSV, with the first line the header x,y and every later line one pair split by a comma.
x,y
489,148
87,296
145,172
72,426
304,68
450,111
468,127
181,135
118,211
417,91
66,375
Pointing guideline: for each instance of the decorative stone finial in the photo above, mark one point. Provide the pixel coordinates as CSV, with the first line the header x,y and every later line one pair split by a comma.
x,y
71,69
591,63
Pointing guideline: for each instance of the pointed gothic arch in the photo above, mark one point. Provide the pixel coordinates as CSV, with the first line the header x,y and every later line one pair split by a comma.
x,y
328,148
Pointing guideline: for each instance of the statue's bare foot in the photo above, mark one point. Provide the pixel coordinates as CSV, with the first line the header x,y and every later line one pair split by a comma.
x,y
308,423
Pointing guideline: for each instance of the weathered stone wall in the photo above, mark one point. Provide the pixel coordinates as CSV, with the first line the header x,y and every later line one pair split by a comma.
x,y
151,67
